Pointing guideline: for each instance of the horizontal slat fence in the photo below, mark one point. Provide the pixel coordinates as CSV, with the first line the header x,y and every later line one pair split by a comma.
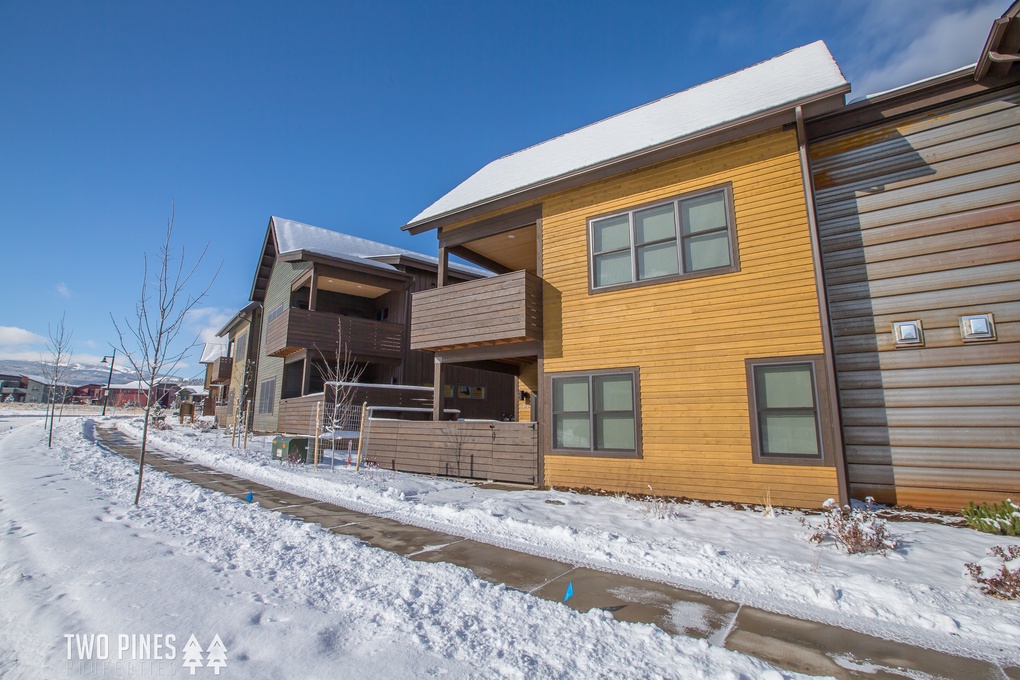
x,y
491,450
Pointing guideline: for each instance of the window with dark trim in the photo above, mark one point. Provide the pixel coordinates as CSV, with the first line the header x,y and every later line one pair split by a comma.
x,y
267,395
684,236
596,413
786,408
273,314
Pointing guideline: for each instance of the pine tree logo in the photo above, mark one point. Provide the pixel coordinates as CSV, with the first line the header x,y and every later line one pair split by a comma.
x,y
193,654
217,655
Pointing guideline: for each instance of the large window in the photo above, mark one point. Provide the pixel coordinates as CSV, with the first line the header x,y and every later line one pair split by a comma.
x,y
786,410
596,413
267,395
681,237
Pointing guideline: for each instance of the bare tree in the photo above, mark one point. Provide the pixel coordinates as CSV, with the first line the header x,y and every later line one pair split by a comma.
x,y
149,339
57,371
340,374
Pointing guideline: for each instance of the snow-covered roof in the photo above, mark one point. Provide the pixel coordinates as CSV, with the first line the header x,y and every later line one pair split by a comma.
x,y
294,236
799,75
212,351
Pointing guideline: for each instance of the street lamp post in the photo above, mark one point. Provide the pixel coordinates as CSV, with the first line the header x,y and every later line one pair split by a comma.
x,y
109,379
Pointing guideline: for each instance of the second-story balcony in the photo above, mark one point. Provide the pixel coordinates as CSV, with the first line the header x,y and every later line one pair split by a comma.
x,y
221,369
495,310
366,339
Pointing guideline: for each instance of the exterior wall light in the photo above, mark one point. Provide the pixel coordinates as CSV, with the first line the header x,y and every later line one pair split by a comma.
x,y
977,327
908,333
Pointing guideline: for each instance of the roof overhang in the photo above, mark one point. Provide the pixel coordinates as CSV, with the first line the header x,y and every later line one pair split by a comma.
x,y
1000,53
238,318
265,267
814,105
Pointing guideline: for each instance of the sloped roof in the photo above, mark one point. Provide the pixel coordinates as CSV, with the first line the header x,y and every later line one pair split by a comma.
x,y
799,75
294,236
212,351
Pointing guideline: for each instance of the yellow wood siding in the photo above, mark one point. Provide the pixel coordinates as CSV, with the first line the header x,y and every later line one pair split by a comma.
x,y
690,338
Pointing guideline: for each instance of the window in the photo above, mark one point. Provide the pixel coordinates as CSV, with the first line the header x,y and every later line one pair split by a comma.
x,y
267,395
241,347
596,413
680,237
274,314
786,405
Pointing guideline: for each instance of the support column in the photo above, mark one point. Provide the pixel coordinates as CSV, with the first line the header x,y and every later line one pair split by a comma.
x,y
444,265
437,390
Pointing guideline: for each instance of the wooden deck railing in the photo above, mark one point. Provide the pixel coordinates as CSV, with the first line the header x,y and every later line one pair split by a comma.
x,y
297,329
499,309
505,452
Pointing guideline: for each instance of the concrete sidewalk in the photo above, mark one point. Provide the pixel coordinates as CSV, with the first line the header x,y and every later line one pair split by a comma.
x,y
787,642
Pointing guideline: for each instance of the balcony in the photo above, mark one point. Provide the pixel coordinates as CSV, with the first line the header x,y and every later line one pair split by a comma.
x,y
221,369
297,329
497,310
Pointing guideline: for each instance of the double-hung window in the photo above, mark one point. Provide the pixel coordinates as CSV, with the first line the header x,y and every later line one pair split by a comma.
x,y
683,236
786,410
596,413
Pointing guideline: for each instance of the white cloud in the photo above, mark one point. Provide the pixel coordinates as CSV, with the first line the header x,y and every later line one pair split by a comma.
x,y
63,290
11,336
207,321
902,41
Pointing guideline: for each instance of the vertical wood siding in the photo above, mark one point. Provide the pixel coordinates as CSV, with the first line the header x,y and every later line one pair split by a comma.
x,y
919,219
690,338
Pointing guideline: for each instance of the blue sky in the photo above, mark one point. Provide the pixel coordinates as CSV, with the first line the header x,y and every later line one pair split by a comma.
x,y
349,116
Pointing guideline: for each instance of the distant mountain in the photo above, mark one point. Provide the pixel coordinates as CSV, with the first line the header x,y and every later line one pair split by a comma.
x,y
80,374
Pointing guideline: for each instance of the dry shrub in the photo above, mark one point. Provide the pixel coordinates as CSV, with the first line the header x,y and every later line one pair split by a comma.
x,y
857,530
1005,583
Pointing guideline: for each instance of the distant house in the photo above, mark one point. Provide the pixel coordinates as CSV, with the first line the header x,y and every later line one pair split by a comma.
x,y
39,390
217,364
241,334
135,394
88,394
13,388
324,292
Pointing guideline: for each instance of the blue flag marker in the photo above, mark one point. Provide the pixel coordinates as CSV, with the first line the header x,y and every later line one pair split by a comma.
x,y
570,591
250,497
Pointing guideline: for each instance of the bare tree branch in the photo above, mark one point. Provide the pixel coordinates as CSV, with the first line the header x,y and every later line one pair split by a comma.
x,y
160,316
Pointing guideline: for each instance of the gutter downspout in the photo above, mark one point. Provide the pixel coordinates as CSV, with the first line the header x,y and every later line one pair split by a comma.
x,y
836,423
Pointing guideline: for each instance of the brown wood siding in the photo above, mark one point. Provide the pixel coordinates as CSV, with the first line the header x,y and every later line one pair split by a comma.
x,y
296,329
506,452
690,338
505,308
919,219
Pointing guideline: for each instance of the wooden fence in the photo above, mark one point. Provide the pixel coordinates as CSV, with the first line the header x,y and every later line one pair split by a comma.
x,y
491,450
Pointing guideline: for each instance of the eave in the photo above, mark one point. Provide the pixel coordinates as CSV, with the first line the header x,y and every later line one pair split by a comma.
x,y
764,120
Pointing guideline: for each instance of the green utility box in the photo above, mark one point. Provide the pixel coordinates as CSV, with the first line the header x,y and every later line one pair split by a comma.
x,y
293,449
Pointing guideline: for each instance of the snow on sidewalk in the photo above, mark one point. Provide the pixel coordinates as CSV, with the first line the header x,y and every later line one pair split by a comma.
x,y
287,599
918,594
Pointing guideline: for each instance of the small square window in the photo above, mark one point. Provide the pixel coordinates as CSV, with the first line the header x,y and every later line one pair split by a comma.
x,y
975,327
908,333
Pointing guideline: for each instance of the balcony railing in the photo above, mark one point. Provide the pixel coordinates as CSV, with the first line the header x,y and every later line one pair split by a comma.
x,y
500,309
298,329
221,369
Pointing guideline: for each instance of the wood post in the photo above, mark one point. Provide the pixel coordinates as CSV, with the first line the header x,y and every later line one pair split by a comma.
x,y
437,390
361,436
248,420
318,428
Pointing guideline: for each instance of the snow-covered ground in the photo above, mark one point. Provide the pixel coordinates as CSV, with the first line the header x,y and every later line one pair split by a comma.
x,y
80,564
919,593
